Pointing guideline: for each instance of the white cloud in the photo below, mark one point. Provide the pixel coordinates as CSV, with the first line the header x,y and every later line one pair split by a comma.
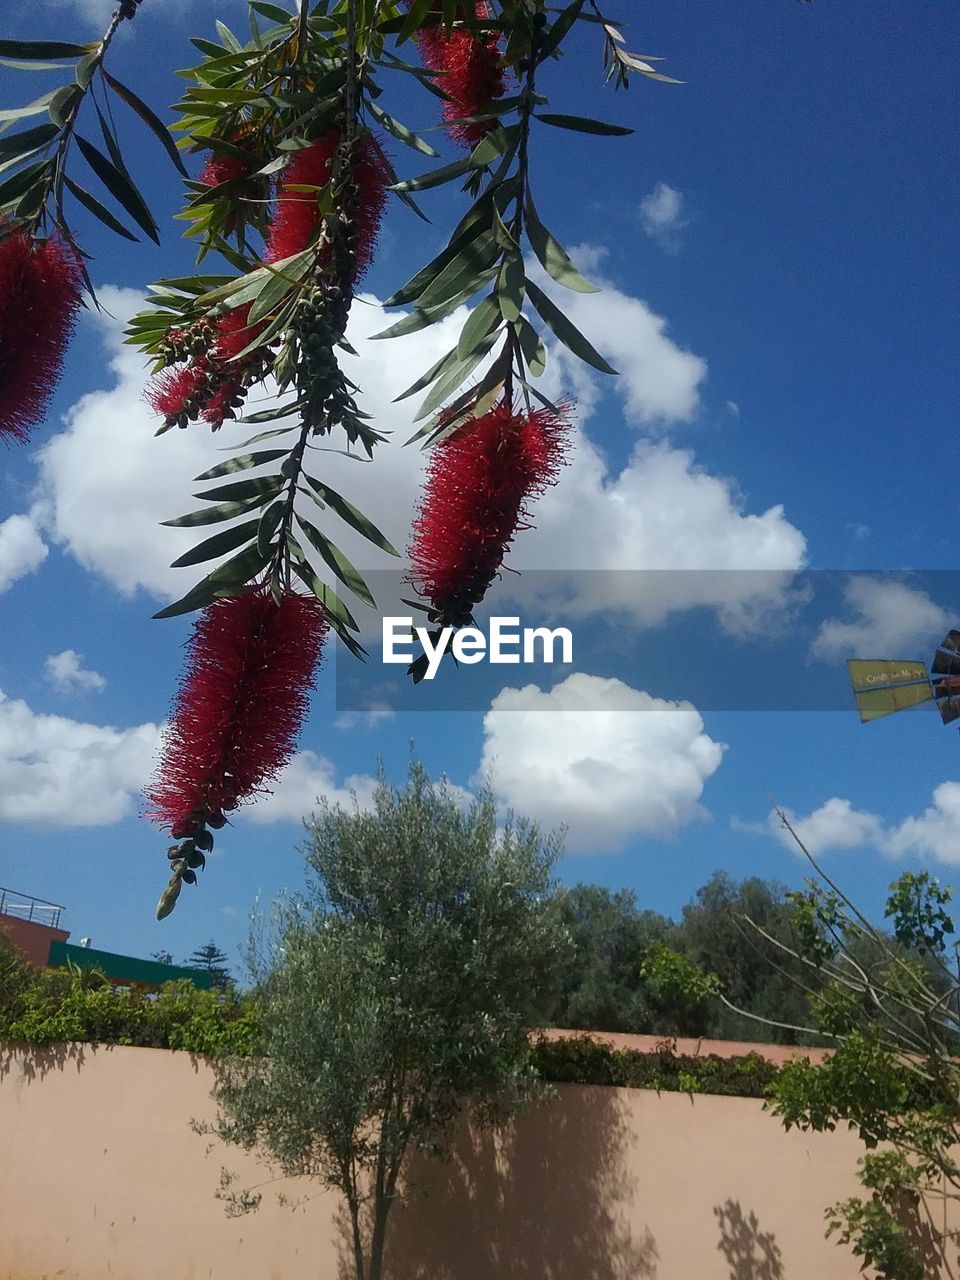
x,y
835,825
662,216
107,481
306,780
66,672
21,549
608,761
661,512
890,619
658,381
56,772
99,12
934,834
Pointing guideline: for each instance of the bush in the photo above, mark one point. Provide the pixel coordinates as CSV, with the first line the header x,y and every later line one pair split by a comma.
x,y
49,1006
584,1060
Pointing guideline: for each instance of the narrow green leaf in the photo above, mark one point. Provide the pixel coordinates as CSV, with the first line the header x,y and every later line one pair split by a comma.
x,y
455,376
531,347
235,573
425,379
552,256
270,296
568,333
337,562
16,65
411,291
213,515
262,487
356,519
553,36
400,131
498,143
464,271
436,177
582,124
33,108
268,525
324,593
271,415
243,462
218,545
511,287
422,318
149,118
20,182
119,186
226,35
28,139
31,50
482,319
98,210
271,11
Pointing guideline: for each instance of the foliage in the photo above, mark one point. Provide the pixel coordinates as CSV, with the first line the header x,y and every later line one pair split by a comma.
x,y
49,1006
890,1004
637,971
402,988
214,961
584,1060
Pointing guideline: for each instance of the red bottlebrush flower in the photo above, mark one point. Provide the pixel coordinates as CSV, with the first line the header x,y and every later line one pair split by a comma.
x,y
239,708
221,168
295,219
473,77
172,390
40,284
479,482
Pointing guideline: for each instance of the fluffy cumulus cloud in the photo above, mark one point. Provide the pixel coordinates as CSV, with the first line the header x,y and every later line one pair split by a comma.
x,y
21,549
607,761
663,216
835,825
307,780
934,834
66,672
61,773
57,772
106,481
887,619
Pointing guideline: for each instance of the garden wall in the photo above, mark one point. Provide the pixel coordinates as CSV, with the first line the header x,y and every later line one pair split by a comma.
x,y
102,1176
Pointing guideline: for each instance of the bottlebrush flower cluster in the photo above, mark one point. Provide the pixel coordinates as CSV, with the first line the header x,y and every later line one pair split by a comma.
x,y
220,168
40,283
297,213
480,481
239,708
472,76
213,383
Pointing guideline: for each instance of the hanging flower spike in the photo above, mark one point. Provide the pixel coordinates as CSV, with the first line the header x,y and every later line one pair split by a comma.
x,y
296,217
220,168
40,284
479,482
233,376
213,384
472,79
239,708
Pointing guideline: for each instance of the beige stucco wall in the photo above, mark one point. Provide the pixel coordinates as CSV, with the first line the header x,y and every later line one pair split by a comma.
x,y
101,1176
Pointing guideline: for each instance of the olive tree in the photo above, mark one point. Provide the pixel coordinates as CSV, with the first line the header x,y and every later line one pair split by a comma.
x,y
400,992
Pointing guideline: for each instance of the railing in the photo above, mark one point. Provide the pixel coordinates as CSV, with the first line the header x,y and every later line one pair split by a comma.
x,y
23,906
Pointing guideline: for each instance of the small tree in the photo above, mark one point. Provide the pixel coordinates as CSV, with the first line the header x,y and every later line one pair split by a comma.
x,y
890,1002
216,963
401,992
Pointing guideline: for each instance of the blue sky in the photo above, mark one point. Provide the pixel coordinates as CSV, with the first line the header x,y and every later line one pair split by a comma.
x,y
777,245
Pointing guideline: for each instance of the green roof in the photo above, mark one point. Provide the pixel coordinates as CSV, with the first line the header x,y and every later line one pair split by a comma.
x,y
125,968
